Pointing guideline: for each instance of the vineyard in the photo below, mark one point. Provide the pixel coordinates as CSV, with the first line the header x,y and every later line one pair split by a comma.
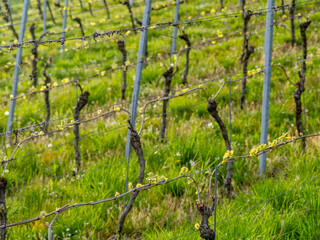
x,y
157,119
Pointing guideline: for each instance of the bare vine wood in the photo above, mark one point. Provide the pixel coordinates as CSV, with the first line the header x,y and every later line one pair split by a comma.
x,y
90,9
58,5
246,51
126,3
212,109
291,12
146,186
205,231
39,9
46,93
82,101
136,145
168,75
122,49
302,78
8,18
3,208
34,52
185,37
107,8
51,14
78,20
80,2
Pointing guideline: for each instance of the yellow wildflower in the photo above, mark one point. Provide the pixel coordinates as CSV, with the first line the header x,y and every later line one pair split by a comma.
x,y
184,170
117,194
184,90
197,226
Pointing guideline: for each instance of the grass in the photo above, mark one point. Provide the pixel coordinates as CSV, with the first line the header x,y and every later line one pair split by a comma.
x,y
193,137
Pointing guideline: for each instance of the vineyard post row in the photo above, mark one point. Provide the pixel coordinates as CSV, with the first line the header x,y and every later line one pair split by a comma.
x,y
268,40
44,16
17,66
175,29
64,25
137,81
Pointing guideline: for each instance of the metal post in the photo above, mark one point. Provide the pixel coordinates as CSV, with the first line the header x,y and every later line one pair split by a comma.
x,y
175,29
17,67
65,14
268,40
215,201
44,16
137,81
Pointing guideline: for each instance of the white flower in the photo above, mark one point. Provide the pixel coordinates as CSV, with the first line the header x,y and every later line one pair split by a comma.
x,y
6,113
49,145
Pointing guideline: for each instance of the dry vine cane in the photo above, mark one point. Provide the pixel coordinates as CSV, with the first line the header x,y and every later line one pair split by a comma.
x,y
291,12
3,207
185,92
8,18
82,101
80,2
58,211
107,8
39,9
46,93
78,20
90,9
51,14
302,78
122,49
212,109
126,3
246,52
34,51
185,37
136,145
168,75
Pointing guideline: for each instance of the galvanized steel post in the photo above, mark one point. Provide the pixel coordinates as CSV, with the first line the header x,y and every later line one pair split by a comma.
x,y
137,81
17,67
268,40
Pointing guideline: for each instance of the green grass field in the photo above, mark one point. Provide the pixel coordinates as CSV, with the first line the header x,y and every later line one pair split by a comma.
x,y
193,138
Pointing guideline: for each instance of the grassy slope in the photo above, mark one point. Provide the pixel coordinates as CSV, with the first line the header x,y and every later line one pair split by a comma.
x,y
190,137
